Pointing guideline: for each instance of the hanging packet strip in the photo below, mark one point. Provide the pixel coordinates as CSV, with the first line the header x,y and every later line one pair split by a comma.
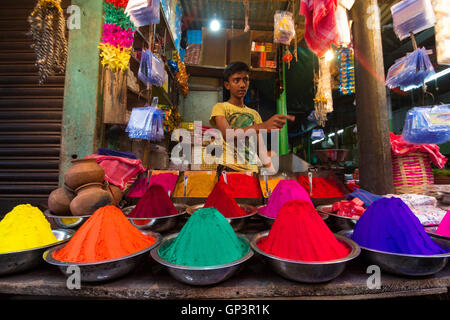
x,y
410,71
427,125
143,12
146,123
412,16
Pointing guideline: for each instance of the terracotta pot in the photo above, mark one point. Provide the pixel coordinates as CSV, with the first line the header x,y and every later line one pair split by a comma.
x,y
89,198
59,201
82,172
116,194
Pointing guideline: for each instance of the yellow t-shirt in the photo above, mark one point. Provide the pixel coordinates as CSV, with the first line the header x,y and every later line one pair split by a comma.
x,y
238,117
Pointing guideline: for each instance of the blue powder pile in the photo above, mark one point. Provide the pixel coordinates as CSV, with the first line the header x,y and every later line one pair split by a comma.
x,y
389,225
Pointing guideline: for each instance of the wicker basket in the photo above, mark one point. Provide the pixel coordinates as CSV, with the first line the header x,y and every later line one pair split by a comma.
x,y
412,173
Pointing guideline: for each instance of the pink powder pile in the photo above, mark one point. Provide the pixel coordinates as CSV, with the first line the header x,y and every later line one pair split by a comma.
x,y
286,190
444,227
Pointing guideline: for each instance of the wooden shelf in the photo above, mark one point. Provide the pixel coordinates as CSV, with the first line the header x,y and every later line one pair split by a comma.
x,y
217,72
164,26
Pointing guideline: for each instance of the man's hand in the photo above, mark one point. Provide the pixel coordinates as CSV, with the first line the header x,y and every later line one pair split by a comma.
x,y
277,121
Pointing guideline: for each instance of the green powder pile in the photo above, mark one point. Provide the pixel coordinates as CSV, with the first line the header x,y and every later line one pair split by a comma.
x,y
207,239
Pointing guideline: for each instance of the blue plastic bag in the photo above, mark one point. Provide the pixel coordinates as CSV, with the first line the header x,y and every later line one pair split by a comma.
x,y
410,71
151,70
146,123
317,134
427,125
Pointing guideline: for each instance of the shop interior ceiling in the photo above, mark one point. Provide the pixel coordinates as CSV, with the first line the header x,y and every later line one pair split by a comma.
x,y
231,13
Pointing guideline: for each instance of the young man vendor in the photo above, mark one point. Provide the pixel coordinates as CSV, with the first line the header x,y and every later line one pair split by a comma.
x,y
234,114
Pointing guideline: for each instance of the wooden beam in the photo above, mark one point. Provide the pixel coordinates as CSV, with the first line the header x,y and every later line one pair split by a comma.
x,y
375,163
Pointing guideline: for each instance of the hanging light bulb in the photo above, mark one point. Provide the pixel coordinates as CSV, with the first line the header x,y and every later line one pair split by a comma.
x,y
329,55
214,25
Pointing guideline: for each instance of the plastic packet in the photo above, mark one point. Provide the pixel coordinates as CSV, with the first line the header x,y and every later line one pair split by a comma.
x,y
157,71
284,27
427,125
317,134
410,71
146,123
412,15
145,67
143,12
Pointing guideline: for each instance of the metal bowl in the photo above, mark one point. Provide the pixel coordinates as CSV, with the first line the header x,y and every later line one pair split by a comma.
x,y
103,270
404,264
159,224
237,223
337,222
19,261
306,271
59,220
269,220
200,276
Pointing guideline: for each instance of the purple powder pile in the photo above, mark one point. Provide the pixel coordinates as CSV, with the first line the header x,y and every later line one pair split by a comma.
x,y
389,225
286,190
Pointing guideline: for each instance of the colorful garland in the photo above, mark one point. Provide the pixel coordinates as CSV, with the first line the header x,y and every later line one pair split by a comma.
x,y
346,71
118,34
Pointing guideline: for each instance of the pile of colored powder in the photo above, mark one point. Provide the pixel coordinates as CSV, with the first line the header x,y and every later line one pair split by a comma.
x,y
299,233
322,188
243,185
155,203
271,184
23,228
389,225
286,190
444,226
165,180
199,185
207,239
106,235
222,199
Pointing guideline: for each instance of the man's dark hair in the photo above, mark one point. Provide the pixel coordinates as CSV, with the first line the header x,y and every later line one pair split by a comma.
x,y
234,67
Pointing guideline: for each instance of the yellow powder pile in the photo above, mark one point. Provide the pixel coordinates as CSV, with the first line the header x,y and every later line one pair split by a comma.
x,y
271,184
199,184
25,227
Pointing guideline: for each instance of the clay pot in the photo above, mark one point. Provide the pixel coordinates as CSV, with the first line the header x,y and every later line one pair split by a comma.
x,y
116,194
89,198
82,172
59,201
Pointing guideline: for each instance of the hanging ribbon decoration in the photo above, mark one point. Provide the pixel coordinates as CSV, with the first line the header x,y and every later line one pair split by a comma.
x,y
323,101
247,11
48,29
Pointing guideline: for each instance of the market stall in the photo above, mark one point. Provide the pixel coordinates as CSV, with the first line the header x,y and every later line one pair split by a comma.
x,y
142,213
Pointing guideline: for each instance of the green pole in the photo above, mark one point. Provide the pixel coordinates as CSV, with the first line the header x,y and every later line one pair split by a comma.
x,y
82,99
282,109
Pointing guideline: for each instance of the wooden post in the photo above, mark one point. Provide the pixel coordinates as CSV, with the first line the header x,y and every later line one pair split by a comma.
x,y
375,163
81,114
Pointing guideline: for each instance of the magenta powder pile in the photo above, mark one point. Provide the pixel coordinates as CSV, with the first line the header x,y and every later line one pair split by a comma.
x,y
444,227
286,190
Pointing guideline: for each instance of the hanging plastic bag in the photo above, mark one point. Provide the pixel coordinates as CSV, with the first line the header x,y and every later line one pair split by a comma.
x,y
284,27
410,71
143,12
412,15
146,123
427,125
157,74
145,67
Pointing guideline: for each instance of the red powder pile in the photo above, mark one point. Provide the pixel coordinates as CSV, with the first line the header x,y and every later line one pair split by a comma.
x,y
222,199
243,185
154,204
299,233
106,235
322,188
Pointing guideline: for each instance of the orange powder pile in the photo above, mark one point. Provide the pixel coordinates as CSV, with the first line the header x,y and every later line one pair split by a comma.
x,y
106,235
